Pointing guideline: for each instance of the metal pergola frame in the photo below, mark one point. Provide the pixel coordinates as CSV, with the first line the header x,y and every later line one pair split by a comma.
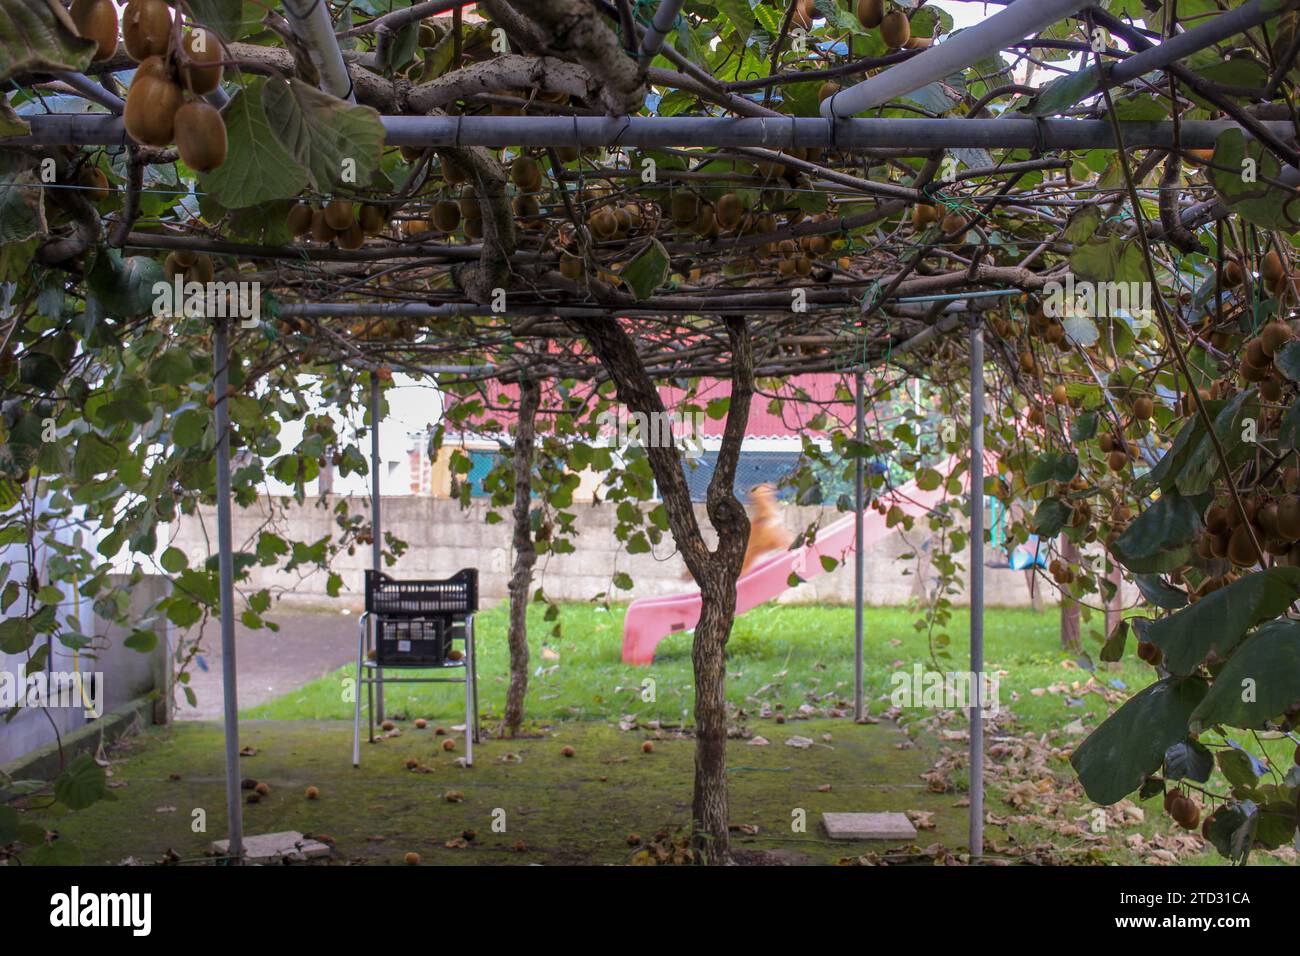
x,y
834,130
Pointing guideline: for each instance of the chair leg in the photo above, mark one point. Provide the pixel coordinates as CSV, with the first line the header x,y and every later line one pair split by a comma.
x,y
471,704
379,694
356,692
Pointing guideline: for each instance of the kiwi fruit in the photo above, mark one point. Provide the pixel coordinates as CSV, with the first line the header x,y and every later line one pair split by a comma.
x,y
1117,460
97,20
320,229
570,266
706,223
567,154
603,224
453,172
895,29
526,207
1232,274
95,184
298,219
803,14
373,219
200,136
1271,267
338,215
1270,389
827,90
186,257
1185,812
146,29
1216,519
1241,549
1288,518
1143,408
526,173
871,13
474,228
353,237
203,49
445,215
954,224
917,43
923,214
729,211
685,208
1273,336
151,104
468,203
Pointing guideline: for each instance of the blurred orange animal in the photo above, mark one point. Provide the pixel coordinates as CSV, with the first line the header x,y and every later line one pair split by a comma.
x,y
766,533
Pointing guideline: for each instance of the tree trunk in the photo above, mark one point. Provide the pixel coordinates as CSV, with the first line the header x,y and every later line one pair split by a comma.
x,y
521,576
715,572
1069,606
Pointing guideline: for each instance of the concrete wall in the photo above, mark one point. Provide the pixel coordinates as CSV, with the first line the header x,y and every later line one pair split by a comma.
x,y
443,538
128,675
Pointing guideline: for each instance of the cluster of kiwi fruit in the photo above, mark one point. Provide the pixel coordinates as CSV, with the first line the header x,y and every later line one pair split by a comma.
x,y
157,112
340,221
895,28
1184,810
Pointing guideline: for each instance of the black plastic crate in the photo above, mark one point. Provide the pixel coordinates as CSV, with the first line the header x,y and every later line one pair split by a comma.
x,y
389,597
412,642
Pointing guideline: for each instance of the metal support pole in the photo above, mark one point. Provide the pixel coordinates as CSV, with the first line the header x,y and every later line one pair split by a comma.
x,y
977,589
376,542
313,26
800,132
662,24
859,560
1021,19
226,565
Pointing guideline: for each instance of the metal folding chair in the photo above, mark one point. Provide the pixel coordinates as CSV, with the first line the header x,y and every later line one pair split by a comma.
x,y
413,625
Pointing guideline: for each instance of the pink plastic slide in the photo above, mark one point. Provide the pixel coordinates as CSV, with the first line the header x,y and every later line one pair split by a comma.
x,y
650,620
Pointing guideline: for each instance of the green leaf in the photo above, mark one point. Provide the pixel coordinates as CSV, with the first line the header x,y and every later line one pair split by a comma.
x,y
1108,260
1160,593
1113,649
1260,681
1241,173
173,561
141,640
1064,93
1132,742
257,168
22,205
1160,538
738,14
38,36
1084,427
1052,466
95,456
1237,768
339,144
1051,517
1287,360
81,784
1218,621
123,288
16,635
1189,760
648,271
173,367
223,16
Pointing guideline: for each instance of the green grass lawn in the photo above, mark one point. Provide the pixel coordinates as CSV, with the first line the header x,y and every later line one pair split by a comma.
x,y
783,656
778,655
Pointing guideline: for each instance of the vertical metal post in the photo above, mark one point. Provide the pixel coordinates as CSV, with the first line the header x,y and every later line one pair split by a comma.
x,y
977,589
226,565
859,560
376,545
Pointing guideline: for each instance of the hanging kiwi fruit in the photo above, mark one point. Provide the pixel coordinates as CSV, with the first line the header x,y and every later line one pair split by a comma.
x,y
338,215
321,230
372,218
200,136
152,103
200,67
923,214
97,20
298,219
871,13
730,209
684,208
189,266
445,215
895,29
95,183
570,266
526,173
146,29
353,237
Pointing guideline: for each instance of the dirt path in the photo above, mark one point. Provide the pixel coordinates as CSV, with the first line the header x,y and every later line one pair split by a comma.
x,y
308,645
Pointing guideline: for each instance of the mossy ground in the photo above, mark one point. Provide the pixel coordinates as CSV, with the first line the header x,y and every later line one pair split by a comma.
x,y
566,810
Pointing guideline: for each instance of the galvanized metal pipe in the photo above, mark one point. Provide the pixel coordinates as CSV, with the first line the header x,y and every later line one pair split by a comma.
x,y
707,131
977,589
859,560
226,567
